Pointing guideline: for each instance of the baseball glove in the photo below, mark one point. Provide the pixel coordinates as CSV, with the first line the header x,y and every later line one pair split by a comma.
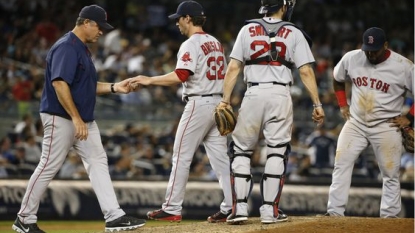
x,y
225,119
408,138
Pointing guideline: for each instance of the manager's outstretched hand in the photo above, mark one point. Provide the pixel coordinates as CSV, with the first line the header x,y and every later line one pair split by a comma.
x,y
124,86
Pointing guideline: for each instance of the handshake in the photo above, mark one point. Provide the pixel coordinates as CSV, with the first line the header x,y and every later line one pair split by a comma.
x,y
131,84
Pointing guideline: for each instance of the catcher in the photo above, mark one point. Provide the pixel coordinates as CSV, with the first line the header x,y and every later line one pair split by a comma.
x,y
266,49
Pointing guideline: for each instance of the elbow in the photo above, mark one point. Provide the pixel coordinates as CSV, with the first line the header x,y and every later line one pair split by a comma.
x,y
306,71
234,66
57,83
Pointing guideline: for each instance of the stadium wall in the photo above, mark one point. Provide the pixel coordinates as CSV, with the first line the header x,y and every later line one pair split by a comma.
x,y
75,200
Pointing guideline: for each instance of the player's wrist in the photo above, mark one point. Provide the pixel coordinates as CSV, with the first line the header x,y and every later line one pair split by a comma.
x,y
112,87
319,105
225,102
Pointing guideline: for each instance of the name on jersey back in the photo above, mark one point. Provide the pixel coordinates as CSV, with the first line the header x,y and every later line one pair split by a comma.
x,y
211,46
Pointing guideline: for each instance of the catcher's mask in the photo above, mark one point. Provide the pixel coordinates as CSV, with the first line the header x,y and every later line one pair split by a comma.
x,y
270,6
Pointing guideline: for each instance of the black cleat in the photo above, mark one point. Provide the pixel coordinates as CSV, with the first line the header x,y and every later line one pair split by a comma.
x,y
124,223
20,227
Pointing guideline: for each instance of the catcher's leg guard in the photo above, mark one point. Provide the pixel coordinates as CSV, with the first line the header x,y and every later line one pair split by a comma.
x,y
241,182
272,183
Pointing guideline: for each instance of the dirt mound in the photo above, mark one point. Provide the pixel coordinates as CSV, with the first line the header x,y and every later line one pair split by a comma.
x,y
297,225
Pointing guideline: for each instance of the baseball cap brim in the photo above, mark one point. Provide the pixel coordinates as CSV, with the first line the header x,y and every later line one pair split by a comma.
x,y
174,16
371,48
105,25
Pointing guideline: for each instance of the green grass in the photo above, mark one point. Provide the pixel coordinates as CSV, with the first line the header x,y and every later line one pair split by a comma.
x,y
80,226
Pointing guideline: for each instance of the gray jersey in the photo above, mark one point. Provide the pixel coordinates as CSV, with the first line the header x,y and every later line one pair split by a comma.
x,y
252,42
203,55
377,90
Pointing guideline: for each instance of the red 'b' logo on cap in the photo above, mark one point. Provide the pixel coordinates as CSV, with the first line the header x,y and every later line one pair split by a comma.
x,y
370,40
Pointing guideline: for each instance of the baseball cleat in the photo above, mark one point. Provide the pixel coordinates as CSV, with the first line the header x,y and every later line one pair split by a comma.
x,y
163,216
218,217
124,223
328,215
236,219
20,227
280,218
323,215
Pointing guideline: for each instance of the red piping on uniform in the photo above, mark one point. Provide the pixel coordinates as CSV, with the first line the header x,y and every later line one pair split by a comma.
x,y
47,159
178,154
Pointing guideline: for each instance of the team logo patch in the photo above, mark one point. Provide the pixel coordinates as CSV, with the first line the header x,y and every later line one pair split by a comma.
x,y
370,40
186,57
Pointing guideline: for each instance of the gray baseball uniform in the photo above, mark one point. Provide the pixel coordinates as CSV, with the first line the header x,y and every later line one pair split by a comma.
x,y
58,140
266,106
377,96
202,54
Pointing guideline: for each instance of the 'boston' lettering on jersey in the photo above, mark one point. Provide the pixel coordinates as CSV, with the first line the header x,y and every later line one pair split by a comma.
x,y
211,46
259,31
372,83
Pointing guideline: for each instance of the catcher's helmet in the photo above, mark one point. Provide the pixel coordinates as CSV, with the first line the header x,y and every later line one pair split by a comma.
x,y
270,6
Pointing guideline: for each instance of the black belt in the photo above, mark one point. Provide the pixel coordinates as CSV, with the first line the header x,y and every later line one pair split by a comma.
x,y
207,95
274,83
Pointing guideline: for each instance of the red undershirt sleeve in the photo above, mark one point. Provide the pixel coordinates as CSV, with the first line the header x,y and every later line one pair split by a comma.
x,y
183,74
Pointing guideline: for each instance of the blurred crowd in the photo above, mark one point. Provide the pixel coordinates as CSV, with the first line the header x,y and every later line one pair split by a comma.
x,y
144,41
141,153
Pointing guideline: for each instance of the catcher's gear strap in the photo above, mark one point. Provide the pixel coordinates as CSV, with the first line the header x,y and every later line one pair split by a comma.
x,y
281,177
232,156
281,184
287,151
284,157
248,178
265,176
278,146
272,29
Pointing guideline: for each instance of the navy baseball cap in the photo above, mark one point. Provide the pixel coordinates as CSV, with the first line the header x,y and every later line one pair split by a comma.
x,y
97,14
191,8
373,39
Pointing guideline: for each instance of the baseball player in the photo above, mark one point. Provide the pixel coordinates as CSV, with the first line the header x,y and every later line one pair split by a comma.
x,y
269,48
380,79
67,113
201,67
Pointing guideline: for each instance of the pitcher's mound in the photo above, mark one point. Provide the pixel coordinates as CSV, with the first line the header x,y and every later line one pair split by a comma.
x,y
296,224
